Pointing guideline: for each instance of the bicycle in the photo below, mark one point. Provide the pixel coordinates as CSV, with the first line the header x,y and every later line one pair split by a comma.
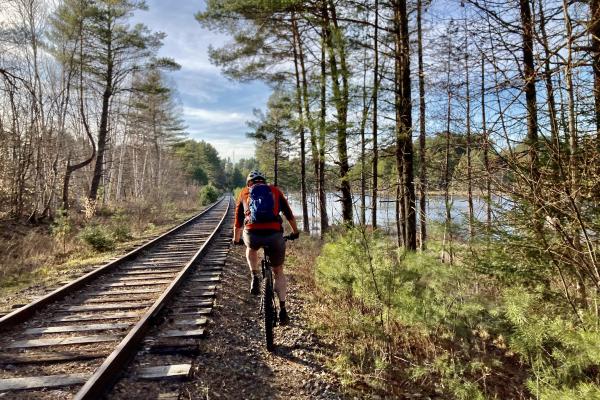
x,y
268,304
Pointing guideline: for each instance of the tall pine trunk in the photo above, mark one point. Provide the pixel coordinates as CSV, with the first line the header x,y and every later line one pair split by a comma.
x,y
103,129
529,87
322,134
422,134
72,168
594,29
448,231
314,145
404,146
486,150
363,150
469,161
339,79
374,173
549,84
301,128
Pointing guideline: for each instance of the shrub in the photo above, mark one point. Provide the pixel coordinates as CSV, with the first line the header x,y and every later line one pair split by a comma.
x,y
150,227
208,194
120,227
385,304
563,353
97,237
61,227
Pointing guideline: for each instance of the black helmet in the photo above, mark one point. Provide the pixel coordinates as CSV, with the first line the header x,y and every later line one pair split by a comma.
x,y
255,176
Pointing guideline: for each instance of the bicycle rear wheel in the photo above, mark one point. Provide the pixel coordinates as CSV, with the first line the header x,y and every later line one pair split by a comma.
x,y
269,308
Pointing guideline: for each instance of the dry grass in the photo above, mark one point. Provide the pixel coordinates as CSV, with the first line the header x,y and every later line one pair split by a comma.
x,y
31,256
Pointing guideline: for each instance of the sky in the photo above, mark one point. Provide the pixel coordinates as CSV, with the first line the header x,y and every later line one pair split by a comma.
x,y
215,108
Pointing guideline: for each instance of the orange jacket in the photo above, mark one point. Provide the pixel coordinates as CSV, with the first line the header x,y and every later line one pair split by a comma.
x,y
242,216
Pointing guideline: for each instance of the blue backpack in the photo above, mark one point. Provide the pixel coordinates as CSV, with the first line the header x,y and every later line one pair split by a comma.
x,y
261,204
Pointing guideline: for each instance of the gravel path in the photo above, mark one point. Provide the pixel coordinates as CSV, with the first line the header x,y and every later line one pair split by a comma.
x,y
233,361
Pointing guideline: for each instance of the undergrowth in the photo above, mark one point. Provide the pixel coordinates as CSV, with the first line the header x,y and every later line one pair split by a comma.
x,y
413,323
208,194
407,324
44,253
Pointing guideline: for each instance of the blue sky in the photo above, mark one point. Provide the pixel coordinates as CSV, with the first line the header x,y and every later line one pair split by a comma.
x,y
215,108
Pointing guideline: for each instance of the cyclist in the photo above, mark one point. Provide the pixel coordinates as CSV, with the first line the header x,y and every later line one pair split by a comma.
x,y
258,223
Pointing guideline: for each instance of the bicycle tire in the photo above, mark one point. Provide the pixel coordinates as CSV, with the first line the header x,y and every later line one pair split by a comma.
x,y
269,309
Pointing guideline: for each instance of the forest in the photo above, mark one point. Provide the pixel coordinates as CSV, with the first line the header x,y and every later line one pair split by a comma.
x,y
496,103
93,147
375,104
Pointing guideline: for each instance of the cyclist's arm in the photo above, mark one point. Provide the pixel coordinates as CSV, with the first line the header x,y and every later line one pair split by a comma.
x,y
293,225
238,225
285,208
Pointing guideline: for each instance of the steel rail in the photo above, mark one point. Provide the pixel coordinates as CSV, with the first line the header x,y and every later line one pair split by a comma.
x,y
106,374
27,311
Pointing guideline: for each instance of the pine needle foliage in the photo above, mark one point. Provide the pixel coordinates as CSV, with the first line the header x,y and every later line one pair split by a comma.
x,y
407,318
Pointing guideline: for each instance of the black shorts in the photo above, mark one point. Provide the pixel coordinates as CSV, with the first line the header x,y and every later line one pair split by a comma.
x,y
274,242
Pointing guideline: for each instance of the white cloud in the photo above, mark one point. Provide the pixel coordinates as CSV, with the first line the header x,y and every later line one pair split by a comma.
x,y
195,114
215,108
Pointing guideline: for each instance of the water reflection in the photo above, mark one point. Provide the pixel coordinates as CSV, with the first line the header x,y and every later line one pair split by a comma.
x,y
386,211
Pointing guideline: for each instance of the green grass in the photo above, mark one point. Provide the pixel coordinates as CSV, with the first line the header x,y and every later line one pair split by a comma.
x,y
481,328
407,322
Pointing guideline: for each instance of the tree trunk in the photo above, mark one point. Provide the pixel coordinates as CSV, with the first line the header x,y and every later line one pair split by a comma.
x,y
469,162
404,146
363,150
375,126
486,149
448,222
400,235
529,88
314,145
156,143
572,129
422,135
102,138
103,129
72,168
595,42
340,96
119,189
296,43
549,85
322,135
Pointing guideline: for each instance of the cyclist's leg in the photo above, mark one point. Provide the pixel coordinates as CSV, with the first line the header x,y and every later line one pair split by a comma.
x,y
280,284
277,256
276,252
252,247
253,260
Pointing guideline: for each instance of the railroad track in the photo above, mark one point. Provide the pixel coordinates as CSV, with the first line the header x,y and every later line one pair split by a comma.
x,y
77,341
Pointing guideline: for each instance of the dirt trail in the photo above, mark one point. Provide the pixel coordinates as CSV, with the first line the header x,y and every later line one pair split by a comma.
x,y
233,362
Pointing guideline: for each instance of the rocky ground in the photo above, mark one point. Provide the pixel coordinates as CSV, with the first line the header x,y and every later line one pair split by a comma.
x,y
234,363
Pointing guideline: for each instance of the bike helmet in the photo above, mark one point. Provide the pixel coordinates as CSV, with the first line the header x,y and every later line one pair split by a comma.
x,y
255,175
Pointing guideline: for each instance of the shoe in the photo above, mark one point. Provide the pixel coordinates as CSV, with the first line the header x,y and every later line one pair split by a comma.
x,y
283,317
255,286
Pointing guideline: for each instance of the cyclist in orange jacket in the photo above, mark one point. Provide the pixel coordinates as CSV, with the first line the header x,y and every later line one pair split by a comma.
x,y
258,223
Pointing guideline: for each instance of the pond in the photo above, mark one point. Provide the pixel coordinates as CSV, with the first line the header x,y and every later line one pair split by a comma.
x,y
386,211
